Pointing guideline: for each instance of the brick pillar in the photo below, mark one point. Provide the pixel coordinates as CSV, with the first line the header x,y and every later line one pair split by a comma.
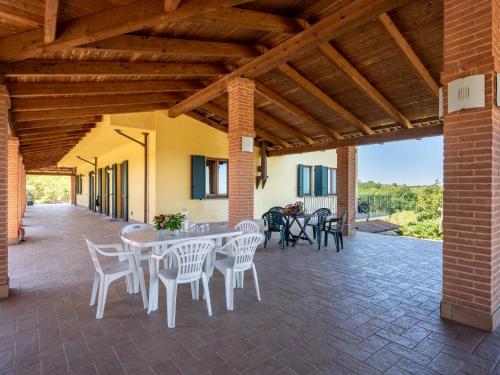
x,y
4,126
241,164
347,180
13,177
471,217
20,190
73,190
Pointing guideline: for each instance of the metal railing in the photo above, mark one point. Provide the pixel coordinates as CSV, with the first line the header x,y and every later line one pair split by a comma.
x,y
312,203
373,206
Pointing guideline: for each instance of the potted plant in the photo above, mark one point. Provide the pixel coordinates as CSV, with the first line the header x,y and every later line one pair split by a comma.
x,y
171,222
294,209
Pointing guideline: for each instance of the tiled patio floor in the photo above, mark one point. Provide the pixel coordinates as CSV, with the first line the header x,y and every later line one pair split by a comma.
x,y
372,308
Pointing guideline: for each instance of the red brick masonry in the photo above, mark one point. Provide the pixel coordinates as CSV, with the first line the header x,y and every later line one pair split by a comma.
x,y
347,179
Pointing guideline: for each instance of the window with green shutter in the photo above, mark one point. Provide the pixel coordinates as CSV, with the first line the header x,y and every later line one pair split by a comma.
x,y
198,178
304,180
321,175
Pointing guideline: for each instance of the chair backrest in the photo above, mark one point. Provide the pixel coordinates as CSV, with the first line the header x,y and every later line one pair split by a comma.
x,y
274,220
190,256
248,226
342,221
93,255
276,208
244,247
136,228
320,215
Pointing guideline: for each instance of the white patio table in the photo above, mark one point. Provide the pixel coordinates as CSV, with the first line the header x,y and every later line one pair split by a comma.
x,y
151,239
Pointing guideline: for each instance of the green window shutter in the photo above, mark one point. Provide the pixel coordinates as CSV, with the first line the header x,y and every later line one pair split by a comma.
x,y
300,180
99,189
125,190
320,181
198,176
77,184
114,183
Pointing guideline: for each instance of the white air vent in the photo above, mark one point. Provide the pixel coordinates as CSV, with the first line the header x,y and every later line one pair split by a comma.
x,y
466,93
441,103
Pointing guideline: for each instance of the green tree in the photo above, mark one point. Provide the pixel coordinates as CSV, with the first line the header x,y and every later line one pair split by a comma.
x,y
429,202
48,189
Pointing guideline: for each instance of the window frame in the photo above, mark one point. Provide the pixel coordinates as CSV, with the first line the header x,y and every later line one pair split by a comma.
x,y
217,195
311,180
330,180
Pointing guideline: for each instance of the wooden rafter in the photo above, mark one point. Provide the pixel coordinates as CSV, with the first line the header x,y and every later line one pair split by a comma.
x,y
295,110
171,5
53,129
131,44
20,16
207,121
107,69
50,25
396,135
105,24
41,124
302,42
54,89
279,125
320,95
411,57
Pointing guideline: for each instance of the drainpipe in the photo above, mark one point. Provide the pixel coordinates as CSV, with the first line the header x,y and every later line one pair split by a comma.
x,y
95,177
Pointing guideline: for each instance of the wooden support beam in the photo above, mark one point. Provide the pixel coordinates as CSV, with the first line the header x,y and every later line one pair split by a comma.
x,y
320,95
54,89
207,121
171,47
50,25
58,122
34,138
122,19
171,5
107,69
303,42
396,135
275,123
296,111
19,16
250,20
40,104
50,142
362,83
53,129
85,112
410,56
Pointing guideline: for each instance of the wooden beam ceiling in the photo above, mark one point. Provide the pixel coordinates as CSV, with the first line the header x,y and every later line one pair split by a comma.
x,y
50,25
107,69
295,110
410,56
19,16
41,124
122,19
263,117
54,129
397,135
131,44
300,43
54,89
171,5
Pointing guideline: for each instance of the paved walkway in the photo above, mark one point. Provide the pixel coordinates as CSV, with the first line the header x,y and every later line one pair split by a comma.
x,y
370,309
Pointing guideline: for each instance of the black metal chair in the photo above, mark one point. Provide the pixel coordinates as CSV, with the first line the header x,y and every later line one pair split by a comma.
x,y
316,222
335,227
275,221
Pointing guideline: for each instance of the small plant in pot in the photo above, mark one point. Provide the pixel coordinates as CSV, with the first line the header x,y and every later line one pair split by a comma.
x,y
294,209
171,222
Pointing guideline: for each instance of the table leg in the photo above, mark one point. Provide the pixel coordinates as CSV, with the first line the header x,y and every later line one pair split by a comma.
x,y
153,286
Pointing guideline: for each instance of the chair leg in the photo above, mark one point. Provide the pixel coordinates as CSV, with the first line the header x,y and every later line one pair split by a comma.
x,y
314,232
142,284
195,290
326,239
103,293
337,242
171,302
265,239
206,292
256,281
95,287
229,276
320,233
242,279
341,236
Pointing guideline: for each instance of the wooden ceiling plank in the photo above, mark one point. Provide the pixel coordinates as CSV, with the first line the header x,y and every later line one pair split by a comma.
x,y
50,25
51,138
171,47
320,95
171,5
396,135
20,16
410,56
300,43
41,124
53,130
39,104
272,121
49,142
106,69
122,19
54,89
207,121
296,111
85,112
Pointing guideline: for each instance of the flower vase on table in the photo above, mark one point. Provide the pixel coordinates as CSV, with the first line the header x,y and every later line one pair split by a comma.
x,y
170,222
294,209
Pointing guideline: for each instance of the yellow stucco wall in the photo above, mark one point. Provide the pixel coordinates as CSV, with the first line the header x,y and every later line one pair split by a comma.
x,y
172,142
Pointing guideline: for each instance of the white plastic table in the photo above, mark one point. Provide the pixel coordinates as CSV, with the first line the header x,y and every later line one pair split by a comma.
x,y
151,239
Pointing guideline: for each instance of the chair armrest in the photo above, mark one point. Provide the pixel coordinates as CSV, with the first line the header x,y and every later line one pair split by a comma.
x,y
160,256
116,246
113,254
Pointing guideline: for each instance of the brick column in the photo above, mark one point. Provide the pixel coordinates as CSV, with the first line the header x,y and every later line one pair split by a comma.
x,y
347,181
241,164
13,176
471,217
20,190
4,126
73,190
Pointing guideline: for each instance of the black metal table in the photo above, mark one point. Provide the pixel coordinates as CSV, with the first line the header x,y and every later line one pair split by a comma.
x,y
291,219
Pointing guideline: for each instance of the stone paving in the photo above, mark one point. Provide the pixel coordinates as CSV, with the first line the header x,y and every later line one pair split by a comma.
x,y
373,308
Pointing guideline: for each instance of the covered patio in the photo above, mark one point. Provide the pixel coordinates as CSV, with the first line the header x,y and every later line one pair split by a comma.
x,y
372,308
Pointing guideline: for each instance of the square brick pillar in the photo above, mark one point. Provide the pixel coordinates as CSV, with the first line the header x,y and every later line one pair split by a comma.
x,y
241,164
4,126
347,182
20,184
13,189
471,217
73,190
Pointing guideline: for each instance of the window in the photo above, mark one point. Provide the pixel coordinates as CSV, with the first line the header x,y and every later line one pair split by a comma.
x,y
216,178
332,181
304,180
307,179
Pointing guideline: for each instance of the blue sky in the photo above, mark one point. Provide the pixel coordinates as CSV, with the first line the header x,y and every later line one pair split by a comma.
x,y
406,162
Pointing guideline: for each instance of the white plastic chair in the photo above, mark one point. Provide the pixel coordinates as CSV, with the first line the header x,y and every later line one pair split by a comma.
x,y
190,257
248,226
243,250
104,276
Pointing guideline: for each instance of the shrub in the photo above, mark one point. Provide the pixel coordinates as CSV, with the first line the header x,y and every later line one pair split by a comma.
x,y
427,228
